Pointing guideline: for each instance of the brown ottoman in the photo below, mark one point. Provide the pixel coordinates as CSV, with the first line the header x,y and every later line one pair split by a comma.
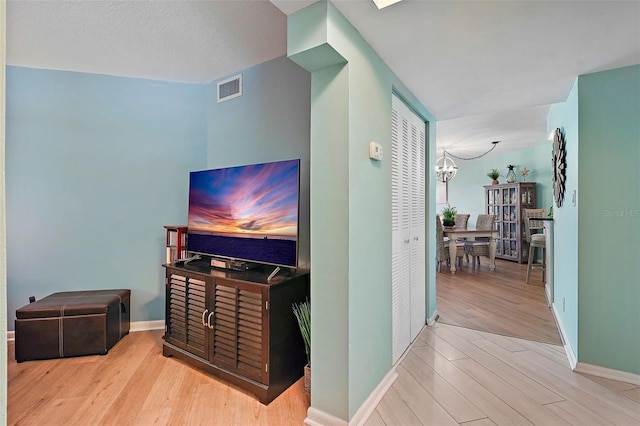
x,y
72,323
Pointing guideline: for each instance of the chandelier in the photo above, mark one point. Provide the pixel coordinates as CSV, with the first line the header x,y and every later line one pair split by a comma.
x,y
446,168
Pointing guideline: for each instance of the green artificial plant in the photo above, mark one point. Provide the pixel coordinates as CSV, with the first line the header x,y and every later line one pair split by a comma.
x,y
302,311
494,174
449,214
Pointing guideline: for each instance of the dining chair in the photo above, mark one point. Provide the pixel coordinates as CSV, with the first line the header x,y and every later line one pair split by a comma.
x,y
442,252
479,246
535,239
461,220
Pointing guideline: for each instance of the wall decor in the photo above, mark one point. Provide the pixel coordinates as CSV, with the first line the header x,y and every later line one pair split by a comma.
x,y
559,164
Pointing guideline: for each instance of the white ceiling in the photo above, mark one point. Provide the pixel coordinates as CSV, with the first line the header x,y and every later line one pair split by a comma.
x,y
487,70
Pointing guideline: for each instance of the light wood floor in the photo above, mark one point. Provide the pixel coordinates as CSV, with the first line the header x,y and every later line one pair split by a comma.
x,y
135,385
458,376
499,302
450,375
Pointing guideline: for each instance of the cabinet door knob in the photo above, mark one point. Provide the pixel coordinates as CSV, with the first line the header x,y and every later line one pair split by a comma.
x,y
203,315
209,321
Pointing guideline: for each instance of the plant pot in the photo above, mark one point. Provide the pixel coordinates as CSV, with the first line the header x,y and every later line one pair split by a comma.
x,y
307,378
448,223
495,182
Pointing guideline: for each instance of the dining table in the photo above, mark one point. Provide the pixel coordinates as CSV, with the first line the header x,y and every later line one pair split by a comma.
x,y
453,233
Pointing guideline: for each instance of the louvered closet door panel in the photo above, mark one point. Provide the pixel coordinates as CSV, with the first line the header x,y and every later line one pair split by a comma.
x,y
418,309
238,331
400,231
405,230
396,236
187,308
408,226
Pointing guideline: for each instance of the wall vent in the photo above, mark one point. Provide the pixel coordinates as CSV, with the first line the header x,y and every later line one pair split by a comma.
x,y
230,88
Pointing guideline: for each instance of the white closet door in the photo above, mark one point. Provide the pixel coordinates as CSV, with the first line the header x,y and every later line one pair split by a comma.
x,y
400,272
408,227
418,308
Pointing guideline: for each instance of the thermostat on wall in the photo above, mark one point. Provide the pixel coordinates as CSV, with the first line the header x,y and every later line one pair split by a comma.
x,y
375,151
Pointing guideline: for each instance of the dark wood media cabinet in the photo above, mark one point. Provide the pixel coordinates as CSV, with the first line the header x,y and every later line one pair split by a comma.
x,y
237,325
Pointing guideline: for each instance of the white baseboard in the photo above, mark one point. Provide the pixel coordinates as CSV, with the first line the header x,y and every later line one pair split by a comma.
x,y
593,370
370,404
431,321
146,325
317,417
133,327
571,355
608,373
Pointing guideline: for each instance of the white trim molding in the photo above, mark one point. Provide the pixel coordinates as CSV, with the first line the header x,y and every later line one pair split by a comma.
x,y
607,373
431,321
317,417
571,355
365,410
146,325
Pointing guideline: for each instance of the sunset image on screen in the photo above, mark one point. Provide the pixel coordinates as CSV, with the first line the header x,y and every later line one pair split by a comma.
x,y
256,201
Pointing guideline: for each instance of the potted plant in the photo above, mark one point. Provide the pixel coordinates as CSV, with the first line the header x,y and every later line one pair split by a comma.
x,y
494,174
449,216
302,311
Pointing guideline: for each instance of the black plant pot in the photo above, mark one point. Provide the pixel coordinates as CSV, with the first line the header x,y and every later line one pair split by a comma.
x,y
448,222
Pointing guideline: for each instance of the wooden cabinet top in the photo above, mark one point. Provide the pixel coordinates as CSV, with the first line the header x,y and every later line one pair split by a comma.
x,y
257,275
507,185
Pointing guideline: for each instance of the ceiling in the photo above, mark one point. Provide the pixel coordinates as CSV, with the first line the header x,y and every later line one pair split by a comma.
x,y
487,70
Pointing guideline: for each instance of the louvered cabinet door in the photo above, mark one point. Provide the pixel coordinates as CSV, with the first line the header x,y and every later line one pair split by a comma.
x,y
186,313
240,331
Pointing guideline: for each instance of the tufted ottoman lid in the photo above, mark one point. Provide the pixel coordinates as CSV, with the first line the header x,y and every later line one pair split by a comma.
x,y
71,303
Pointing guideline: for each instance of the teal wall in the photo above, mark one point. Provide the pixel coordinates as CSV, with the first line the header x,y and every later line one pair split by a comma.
x,y
350,207
596,270
609,219
565,223
269,122
466,190
95,166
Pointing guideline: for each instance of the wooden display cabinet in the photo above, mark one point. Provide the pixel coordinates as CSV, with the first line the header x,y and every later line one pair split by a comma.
x,y
506,202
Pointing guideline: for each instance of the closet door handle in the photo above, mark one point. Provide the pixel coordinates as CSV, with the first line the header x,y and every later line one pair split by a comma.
x,y
203,315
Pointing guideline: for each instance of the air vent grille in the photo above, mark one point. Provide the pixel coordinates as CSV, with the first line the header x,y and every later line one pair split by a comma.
x,y
230,88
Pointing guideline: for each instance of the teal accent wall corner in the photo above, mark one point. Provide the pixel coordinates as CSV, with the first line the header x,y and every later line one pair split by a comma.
x,y
269,122
609,219
565,223
350,208
596,248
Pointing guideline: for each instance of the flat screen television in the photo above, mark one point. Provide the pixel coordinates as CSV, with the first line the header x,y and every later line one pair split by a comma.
x,y
247,213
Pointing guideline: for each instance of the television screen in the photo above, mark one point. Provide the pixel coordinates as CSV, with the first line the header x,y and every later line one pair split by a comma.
x,y
246,213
